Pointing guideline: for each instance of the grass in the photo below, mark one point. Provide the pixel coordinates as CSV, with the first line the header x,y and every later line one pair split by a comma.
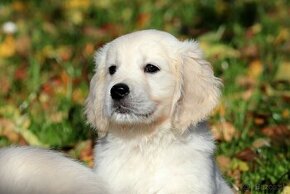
x,y
45,67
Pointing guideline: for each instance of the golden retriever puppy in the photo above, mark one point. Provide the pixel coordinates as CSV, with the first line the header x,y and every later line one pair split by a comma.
x,y
148,100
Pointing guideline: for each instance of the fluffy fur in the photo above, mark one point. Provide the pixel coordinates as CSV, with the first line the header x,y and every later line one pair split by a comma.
x,y
26,170
155,140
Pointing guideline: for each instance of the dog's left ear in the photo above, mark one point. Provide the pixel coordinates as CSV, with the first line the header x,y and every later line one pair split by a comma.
x,y
94,109
199,88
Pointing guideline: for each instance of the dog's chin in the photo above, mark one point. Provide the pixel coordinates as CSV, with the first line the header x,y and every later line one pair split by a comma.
x,y
129,118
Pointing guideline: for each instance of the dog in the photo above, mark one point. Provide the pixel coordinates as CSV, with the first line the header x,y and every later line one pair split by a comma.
x,y
149,98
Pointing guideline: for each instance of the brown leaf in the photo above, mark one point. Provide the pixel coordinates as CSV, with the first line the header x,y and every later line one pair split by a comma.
x,y
278,132
224,131
5,85
223,162
250,51
143,19
7,129
23,45
247,155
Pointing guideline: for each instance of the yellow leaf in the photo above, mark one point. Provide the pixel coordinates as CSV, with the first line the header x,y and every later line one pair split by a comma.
x,y
18,6
243,166
283,72
77,4
282,36
285,114
286,190
7,47
255,69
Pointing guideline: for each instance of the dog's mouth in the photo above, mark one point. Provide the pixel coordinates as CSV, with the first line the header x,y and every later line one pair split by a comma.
x,y
126,111
122,110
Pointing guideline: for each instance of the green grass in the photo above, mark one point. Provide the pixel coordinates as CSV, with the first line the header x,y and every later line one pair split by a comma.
x,y
44,79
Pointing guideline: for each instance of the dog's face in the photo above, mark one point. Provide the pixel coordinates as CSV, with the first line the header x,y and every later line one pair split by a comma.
x,y
150,77
139,82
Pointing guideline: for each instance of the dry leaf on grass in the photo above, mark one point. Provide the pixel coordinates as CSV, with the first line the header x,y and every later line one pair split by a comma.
x,y
7,129
278,132
223,162
261,142
255,69
283,72
286,189
247,155
7,47
224,131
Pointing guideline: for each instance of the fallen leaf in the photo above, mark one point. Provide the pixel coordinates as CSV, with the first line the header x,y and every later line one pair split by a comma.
x,y
261,142
279,132
7,47
143,19
246,155
283,36
255,69
250,51
7,129
224,131
76,4
19,6
23,45
240,165
245,81
286,189
283,72
5,85
223,162
285,114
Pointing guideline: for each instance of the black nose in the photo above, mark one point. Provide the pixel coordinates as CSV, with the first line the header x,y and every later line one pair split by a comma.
x,y
119,91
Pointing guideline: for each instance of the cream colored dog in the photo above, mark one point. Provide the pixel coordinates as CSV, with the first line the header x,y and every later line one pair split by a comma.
x,y
148,100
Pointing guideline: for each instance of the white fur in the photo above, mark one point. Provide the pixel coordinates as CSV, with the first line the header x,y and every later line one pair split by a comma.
x,y
157,144
26,170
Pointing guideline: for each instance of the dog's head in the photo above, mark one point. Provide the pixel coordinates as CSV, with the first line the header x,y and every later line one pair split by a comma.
x,y
147,78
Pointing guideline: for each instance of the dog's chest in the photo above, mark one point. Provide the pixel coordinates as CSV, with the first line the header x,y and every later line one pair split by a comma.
x,y
129,170
132,169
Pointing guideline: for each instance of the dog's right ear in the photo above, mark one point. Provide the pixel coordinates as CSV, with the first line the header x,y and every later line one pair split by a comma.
x,y
94,108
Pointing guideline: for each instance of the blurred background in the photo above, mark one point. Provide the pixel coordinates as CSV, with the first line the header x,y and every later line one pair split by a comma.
x,y
46,62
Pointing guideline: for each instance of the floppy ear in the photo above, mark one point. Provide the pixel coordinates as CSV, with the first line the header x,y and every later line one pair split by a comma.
x,y
199,88
94,108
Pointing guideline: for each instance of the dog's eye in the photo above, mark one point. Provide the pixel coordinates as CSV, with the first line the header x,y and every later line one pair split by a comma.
x,y
112,69
149,68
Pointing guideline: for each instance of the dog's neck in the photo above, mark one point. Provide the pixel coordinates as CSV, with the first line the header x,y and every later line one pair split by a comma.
x,y
150,135
132,132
